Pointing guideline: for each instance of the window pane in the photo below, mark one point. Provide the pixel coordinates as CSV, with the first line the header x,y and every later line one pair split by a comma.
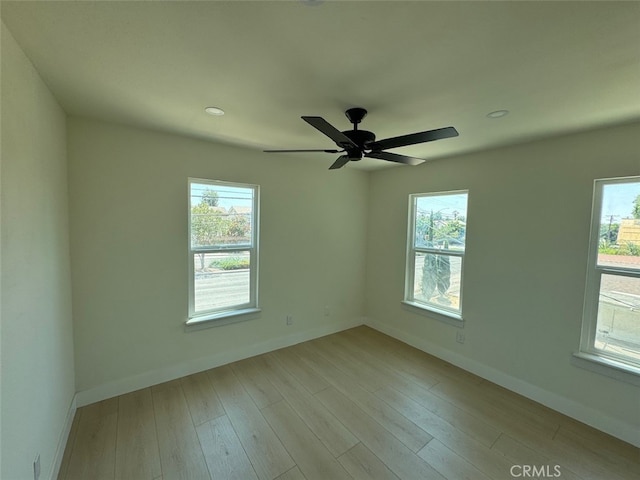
x,y
441,221
221,215
619,241
437,280
221,279
618,325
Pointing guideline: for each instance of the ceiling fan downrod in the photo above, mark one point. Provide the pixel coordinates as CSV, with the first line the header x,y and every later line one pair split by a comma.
x,y
355,116
361,138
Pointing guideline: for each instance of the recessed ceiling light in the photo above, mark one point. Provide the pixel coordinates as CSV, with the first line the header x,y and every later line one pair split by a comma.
x,y
214,111
498,114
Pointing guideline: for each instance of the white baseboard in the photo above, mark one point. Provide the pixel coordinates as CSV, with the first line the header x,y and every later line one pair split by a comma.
x,y
566,406
154,377
62,441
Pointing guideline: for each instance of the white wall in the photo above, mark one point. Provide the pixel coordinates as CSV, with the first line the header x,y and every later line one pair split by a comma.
x,y
525,268
128,197
36,337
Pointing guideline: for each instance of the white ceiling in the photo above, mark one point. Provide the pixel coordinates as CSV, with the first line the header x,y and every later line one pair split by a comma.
x,y
556,66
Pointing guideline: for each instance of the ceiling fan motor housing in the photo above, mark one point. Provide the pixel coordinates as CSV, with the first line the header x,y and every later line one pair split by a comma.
x,y
361,138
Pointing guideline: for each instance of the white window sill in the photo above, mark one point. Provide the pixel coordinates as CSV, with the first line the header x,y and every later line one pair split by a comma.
x,y
442,315
219,319
606,366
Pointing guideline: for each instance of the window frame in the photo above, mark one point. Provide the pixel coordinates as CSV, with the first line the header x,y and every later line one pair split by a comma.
x,y
222,315
448,315
588,349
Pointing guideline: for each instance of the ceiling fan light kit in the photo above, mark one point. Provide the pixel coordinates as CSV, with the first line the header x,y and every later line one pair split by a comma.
x,y
357,144
498,114
216,111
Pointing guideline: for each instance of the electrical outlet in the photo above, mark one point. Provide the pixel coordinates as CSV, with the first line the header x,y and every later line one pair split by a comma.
x,y
327,311
460,336
36,468
289,319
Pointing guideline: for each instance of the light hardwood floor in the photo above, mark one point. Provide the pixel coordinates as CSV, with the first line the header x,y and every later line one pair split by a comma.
x,y
357,404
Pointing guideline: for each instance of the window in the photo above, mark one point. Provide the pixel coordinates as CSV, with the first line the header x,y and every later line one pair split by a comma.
x,y
223,253
435,252
611,321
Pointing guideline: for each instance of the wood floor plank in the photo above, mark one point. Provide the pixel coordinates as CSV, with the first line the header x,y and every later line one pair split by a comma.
x,y
361,361
449,463
598,460
402,461
519,454
365,403
382,341
540,440
254,382
533,411
368,377
268,457
202,399
394,380
514,406
414,358
474,426
311,456
305,376
94,454
477,405
293,474
398,425
137,450
590,435
418,359
466,446
321,421
434,424
622,456
383,357
225,457
570,455
433,364
180,454
362,464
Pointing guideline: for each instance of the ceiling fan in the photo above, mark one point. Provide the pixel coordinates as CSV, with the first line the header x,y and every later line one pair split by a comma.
x,y
361,143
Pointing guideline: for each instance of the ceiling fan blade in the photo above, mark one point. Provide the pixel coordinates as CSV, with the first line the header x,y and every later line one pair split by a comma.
x,y
413,138
330,131
288,151
340,162
394,157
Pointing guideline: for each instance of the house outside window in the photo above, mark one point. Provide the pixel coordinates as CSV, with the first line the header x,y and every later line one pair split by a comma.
x,y
223,249
611,319
435,252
